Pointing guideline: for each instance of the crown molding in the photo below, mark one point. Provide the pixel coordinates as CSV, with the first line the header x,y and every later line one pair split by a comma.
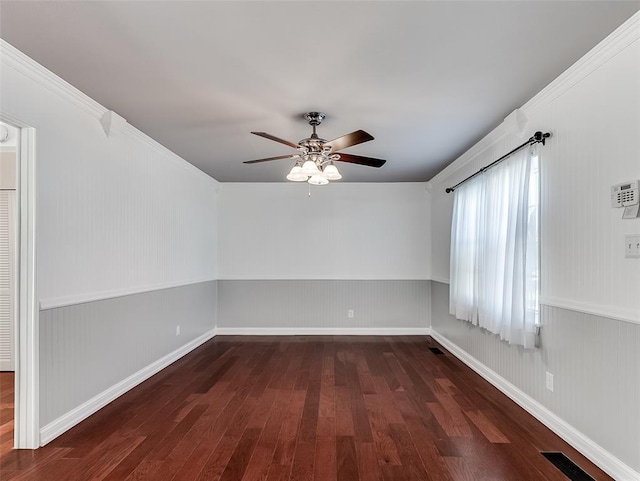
x,y
616,42
15,59
483,144
112,123
620,39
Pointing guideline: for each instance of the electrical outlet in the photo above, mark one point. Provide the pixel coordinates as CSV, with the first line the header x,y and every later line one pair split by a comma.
x,y
178,330
632,246
549,381
350,314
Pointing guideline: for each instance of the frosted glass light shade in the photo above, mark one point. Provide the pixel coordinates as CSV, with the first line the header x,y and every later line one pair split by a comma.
x,y
296,174
318,180
310,168
331,172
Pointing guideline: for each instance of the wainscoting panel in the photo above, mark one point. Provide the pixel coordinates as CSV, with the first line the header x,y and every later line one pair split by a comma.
x,y
317,304
595,362
88,348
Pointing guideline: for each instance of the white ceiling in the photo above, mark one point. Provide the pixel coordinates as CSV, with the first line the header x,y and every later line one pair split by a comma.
x,y
427,79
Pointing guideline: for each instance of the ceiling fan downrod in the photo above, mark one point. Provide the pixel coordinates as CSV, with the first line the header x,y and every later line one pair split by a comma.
x,y
314,119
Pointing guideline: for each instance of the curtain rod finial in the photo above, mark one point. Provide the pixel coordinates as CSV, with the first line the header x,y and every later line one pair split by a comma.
x,y
540,137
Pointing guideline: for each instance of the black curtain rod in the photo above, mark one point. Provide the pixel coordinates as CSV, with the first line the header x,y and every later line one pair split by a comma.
x,y
538,137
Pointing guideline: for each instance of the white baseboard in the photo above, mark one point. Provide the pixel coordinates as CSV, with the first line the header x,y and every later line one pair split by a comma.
x,y
596,453
65,422
323,331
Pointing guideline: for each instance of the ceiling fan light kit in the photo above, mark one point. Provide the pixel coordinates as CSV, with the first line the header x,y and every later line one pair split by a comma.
x,y
315,162
331,172
318,179
296,174
310,167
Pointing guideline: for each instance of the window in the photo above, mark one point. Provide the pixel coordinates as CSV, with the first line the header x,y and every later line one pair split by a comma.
x,y
494,249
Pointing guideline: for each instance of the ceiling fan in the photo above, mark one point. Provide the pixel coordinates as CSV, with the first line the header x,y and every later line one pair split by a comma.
x,y
314,163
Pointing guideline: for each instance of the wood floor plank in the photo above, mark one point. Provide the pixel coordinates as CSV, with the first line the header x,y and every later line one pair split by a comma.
x,y
326,426
450,425
216,460
278,472
237,464
258,466
326,461
352,408
101,461
460,424
490,431
286,444
386,449
309,423
411,461
303,462
139,453
57,469
344,424
347,463
368,466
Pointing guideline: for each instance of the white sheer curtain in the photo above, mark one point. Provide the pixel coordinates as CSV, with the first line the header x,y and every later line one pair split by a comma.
x,y
494,249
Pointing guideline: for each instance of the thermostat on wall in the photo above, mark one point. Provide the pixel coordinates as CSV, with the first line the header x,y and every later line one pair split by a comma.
x,y
623,195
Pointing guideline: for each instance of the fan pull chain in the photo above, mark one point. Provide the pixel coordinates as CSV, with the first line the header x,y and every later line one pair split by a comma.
x,y
309,189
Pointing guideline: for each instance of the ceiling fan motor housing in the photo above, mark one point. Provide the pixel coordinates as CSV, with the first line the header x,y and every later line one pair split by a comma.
x,y
315,118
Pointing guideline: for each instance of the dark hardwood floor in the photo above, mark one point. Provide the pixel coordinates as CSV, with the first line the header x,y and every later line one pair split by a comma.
x,y
6,412
301,408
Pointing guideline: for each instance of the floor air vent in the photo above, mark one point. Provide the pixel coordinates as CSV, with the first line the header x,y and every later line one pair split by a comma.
x,y
436,350
568,467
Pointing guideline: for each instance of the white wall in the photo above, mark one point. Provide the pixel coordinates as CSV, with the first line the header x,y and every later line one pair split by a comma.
x,y
597,144
594,115
116,215
343,231
593,112
294,264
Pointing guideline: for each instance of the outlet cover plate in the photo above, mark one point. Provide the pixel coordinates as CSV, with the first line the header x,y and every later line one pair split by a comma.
x,y
549,381
632,246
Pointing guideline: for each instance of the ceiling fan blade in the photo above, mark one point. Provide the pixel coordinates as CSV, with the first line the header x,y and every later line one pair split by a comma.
x,y
354,138
359,159
271,137
270,158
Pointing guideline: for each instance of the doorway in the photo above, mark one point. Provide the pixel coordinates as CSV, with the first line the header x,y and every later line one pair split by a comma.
x,y
9,139
19,333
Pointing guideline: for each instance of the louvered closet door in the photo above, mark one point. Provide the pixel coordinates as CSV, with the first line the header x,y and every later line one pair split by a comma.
x,y
7,278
